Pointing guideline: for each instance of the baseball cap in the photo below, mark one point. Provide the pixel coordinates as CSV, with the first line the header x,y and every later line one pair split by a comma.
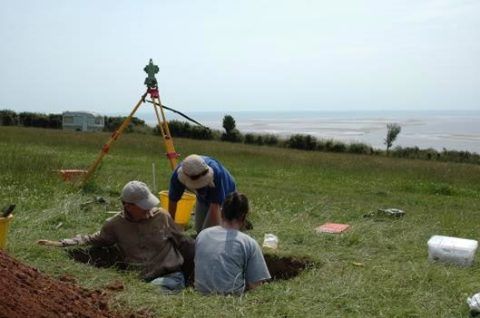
x,y
138,193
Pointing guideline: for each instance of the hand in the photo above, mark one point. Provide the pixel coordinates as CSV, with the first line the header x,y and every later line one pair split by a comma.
x,y
50,243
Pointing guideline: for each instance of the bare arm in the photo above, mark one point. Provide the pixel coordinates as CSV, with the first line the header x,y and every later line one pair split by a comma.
x,y
50,243
257,271
214,214
77,240
254,285
104,237
172,208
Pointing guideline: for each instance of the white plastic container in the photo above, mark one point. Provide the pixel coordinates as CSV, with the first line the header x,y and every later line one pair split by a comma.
x,y
452,250
270,241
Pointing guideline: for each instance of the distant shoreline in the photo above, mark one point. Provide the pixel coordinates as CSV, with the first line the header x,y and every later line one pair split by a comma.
x,y
453,130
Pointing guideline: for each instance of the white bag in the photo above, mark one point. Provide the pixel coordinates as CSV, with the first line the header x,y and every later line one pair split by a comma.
x,y
270,241
474,303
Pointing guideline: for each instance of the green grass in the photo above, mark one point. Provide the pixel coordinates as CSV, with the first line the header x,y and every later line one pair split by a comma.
x,y
291,192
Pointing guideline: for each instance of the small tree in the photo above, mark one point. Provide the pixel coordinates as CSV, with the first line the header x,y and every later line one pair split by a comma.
x,y
228,124
392,132
231,133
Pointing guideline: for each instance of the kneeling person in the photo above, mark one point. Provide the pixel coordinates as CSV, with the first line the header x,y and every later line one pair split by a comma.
x,y
228,261
146,236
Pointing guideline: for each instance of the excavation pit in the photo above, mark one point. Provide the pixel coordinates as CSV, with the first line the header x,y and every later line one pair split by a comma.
x,y
286,267
106,257
98,256
280,267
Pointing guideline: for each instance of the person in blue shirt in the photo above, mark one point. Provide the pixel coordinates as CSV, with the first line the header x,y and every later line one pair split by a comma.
x,y
209,180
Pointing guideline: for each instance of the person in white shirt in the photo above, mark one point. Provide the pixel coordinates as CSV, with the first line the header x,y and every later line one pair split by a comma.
x,y
228,261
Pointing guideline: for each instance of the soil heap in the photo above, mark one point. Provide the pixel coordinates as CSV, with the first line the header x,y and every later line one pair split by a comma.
x,y
25,292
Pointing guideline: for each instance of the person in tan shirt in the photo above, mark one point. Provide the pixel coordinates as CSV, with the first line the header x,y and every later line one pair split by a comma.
x,y
146,236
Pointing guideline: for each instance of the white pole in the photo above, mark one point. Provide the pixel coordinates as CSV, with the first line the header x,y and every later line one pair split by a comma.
x,y
153,176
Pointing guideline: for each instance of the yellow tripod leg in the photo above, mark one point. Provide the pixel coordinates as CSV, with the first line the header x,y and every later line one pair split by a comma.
x,y
115,135
165,131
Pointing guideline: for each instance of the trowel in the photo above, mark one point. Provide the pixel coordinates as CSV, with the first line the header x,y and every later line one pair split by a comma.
x,y
97,199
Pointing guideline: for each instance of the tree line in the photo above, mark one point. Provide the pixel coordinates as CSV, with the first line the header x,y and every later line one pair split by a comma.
x,y
232,134
27,119
311,143
54,121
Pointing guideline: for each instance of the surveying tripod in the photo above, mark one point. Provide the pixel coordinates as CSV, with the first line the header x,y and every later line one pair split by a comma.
x,y
152,90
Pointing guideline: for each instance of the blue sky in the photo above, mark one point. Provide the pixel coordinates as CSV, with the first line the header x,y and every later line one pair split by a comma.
x,y
241,55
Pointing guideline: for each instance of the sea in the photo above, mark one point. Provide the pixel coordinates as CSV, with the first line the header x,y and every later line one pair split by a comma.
x,y
452,130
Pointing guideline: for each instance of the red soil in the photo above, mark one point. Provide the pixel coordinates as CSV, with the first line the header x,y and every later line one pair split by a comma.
x,y
25,292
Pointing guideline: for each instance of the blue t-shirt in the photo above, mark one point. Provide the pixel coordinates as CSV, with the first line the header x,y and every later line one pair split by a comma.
x,y
223,180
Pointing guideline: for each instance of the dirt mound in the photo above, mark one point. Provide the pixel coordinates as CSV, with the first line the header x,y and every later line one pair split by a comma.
x,y
25,292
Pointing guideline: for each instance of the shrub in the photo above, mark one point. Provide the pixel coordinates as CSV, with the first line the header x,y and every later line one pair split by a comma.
x,y
361,148
186,130
459,156
339,147
28,119
113,123
261,139
270,140
198,132
430,154
406,152
335,146
55,121
304,142
295,141
8,118
233,136
179,129
249,138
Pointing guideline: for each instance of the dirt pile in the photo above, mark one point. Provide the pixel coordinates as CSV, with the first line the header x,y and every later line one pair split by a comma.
x,y
25,292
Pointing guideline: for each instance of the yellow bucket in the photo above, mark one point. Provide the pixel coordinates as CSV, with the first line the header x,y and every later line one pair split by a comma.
x,y
4,223
184,206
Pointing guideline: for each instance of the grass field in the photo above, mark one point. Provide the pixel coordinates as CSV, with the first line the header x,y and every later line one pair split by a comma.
x,y
377,269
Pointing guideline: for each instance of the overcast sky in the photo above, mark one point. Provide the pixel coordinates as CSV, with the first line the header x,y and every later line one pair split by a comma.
x,y
241,55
